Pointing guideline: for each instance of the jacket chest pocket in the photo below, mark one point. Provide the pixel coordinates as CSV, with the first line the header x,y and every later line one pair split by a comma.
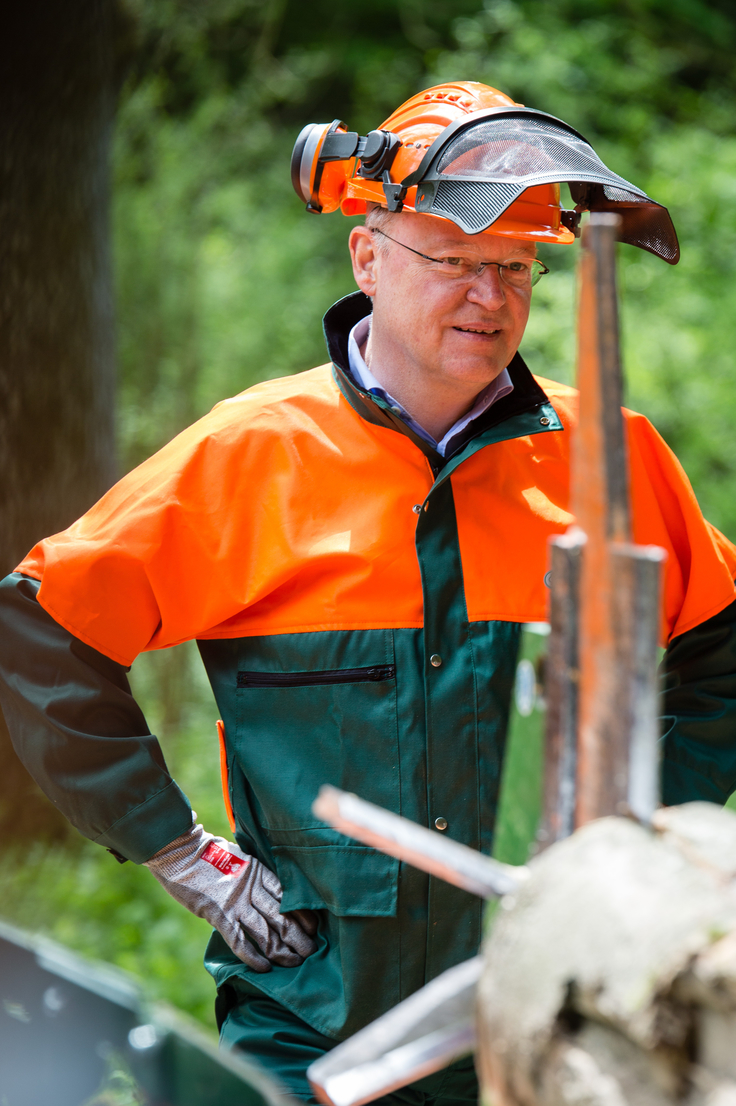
x,y
313,709
328,678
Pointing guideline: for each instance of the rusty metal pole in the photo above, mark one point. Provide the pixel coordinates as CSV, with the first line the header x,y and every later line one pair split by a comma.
x,y
601,508
601,741
637,590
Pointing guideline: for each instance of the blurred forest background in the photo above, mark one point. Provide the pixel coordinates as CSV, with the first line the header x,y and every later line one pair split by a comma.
x,y
221,280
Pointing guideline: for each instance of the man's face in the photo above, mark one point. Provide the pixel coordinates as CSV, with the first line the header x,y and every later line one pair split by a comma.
x,y
426,320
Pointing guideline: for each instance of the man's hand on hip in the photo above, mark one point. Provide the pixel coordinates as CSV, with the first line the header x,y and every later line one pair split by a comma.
x,y
237,895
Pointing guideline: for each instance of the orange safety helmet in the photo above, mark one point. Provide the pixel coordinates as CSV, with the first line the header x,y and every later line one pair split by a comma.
x,y
468,153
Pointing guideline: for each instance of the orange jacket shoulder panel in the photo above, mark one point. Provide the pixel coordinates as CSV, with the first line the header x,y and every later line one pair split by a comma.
x,y
512,496
273,513
282,510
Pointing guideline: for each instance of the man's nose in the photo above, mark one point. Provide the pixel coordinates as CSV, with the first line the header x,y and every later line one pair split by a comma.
x,y
487,288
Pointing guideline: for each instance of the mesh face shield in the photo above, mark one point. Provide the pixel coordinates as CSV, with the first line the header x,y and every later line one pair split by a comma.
x,y
479,166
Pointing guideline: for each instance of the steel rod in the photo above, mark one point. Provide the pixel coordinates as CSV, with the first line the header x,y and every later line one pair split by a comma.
x,y
423,1034
600,505
619,582
637,579
423,848
561,689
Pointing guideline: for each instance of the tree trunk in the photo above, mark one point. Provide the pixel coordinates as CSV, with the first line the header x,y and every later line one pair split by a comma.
x,y
59,75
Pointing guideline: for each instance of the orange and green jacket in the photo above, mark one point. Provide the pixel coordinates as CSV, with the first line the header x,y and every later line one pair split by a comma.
x,y
320,553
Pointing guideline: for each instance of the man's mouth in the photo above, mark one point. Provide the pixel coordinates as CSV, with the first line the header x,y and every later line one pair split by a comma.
x,y
477,330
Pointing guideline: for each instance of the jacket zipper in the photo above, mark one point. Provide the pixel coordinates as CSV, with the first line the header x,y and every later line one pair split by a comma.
x,y
328,676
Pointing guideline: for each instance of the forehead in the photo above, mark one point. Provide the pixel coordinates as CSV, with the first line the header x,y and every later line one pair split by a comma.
x,y
428,233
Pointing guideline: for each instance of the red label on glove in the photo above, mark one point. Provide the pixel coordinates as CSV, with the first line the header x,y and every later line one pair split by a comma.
x,y
224,861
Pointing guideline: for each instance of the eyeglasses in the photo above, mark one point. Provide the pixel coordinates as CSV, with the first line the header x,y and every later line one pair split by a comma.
x,y
517,272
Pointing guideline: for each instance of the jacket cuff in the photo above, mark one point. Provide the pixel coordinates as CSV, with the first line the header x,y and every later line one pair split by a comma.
x,y
683,784
150,826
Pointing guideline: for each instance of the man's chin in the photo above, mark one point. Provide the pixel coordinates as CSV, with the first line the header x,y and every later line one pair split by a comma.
x,y
480,360
474,371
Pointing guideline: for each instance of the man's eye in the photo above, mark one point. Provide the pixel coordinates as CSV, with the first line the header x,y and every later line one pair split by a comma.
x,y
517,266
456,262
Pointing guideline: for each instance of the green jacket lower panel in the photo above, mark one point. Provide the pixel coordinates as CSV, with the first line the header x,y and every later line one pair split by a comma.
x,y
347,708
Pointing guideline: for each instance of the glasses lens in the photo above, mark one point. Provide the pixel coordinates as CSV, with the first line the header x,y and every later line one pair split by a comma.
x,y
522,272
538,271
517,272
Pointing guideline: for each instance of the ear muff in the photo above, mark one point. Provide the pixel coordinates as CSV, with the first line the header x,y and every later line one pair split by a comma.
x,y
303,159
324,158
322,162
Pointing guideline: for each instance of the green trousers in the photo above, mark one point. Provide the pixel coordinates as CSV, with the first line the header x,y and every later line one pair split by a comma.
x,y
285,1046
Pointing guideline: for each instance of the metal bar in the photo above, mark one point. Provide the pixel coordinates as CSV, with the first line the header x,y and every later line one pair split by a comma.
x,y
600,505
620,587
423,848
561,688
637,577
601,243
423,1034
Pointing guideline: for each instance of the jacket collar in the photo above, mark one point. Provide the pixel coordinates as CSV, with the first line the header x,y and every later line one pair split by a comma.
x,y
340,319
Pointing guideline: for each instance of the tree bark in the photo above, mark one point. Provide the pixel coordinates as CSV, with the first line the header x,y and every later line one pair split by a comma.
x,y
60,67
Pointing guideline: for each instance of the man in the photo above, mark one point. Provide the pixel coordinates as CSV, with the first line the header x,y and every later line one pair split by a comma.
x,y
355,548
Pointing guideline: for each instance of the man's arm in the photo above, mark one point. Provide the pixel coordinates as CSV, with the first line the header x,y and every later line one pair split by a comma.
x,y
77,728
80,733
699,754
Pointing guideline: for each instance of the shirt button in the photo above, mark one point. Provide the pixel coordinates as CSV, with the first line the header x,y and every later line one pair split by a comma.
x,y
417,508
435,660
544,421
397,411
440,824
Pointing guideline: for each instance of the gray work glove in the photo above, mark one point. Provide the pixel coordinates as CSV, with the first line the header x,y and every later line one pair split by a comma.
x,y
237,895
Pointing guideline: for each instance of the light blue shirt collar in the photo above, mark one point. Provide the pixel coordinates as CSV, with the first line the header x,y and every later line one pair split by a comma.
x,y
494,391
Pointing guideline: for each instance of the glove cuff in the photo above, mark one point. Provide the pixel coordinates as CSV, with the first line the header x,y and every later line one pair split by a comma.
x,y
167,861
176,860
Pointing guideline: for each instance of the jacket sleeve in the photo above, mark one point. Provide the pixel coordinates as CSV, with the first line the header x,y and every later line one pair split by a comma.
x,y
699,742
77,728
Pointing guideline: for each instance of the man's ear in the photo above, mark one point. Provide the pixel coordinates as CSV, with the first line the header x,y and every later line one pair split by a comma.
x,y
365,257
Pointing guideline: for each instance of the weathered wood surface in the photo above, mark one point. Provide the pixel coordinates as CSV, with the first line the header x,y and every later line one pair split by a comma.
x,y
610,976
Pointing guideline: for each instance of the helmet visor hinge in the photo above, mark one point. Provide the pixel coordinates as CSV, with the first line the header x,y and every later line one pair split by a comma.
x,y
395,193
377,154
426,192
571,220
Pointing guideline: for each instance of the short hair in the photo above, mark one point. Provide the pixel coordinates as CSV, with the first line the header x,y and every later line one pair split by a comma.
x,y
378,218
